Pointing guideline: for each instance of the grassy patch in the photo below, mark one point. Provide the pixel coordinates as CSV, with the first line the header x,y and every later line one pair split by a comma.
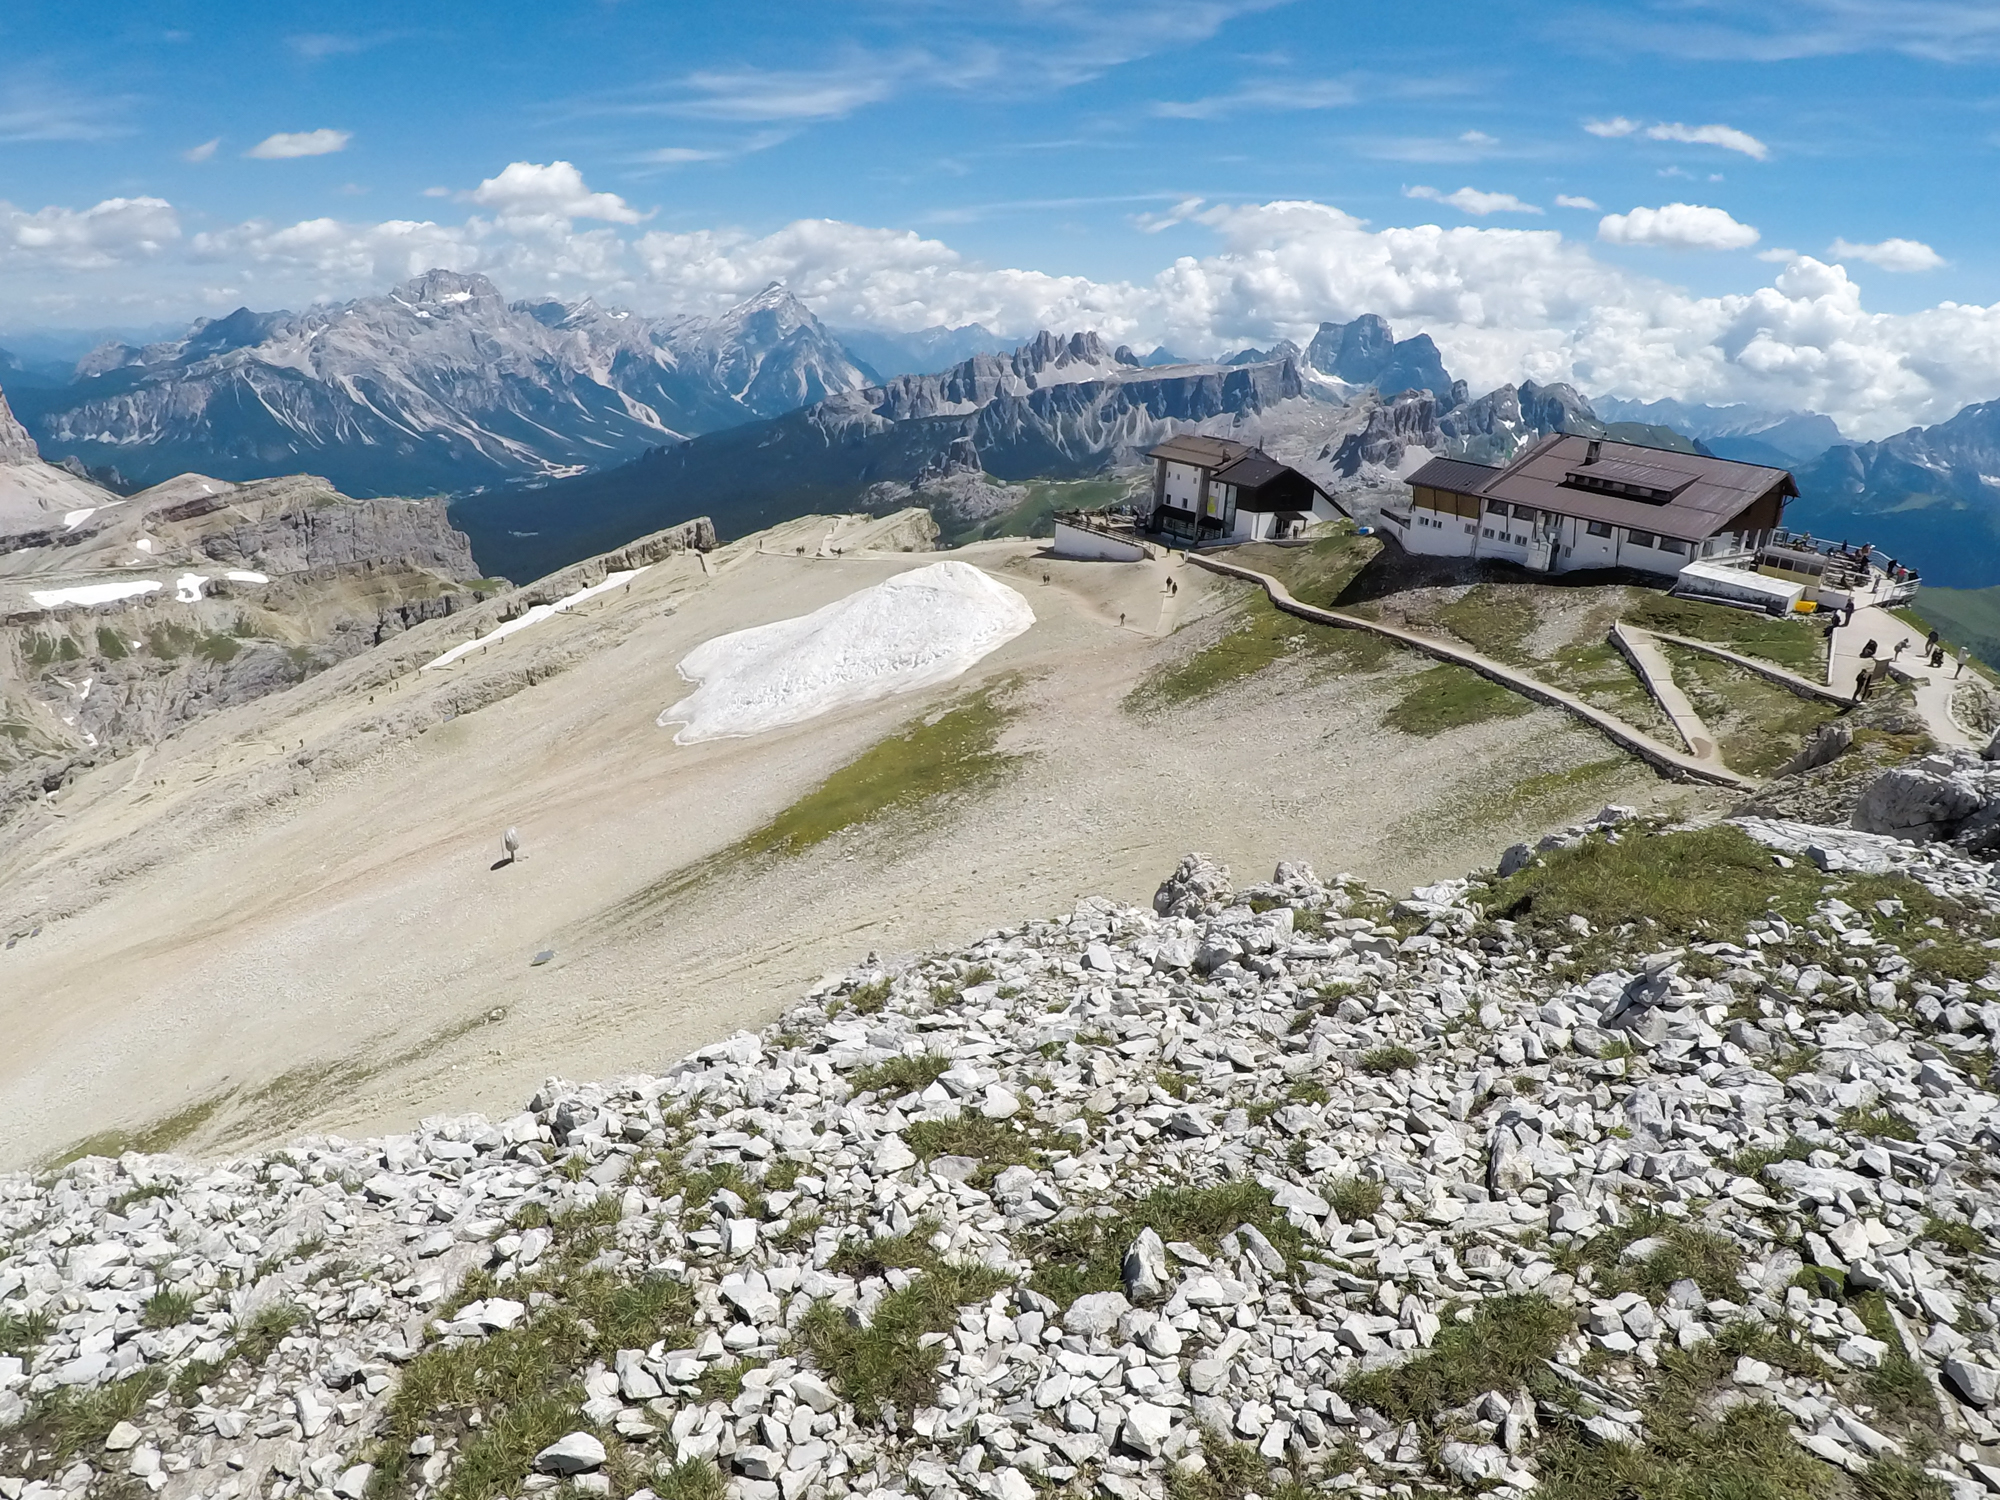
x,y
1746,1454
887,1362
1254,635
71,1422
22,1333
162,1135
1449,696
1710,1259
525,1382
167,1308
691,1479
1955,1235
899,1075
1319,573
111,645
1877,1125
1752,1161
1229,1471
1759,725
1353,1198
950,753
1503,1347
1075,1256
1494,620
996,1144
1382,1061
1793,641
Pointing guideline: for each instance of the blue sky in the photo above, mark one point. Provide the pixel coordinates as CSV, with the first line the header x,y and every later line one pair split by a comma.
x,y
1026,161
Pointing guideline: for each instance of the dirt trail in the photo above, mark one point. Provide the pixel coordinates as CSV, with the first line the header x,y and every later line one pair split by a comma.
x,y
263,910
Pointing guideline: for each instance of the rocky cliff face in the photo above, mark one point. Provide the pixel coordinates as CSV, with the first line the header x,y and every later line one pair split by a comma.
x,y
1366,352
1341,1190
16,447
441,384
1058,407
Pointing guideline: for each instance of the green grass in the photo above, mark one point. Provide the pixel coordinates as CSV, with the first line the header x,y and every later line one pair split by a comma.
x,y
1504,1347
996,1144
111,645
167,1308
526,1382
1792,642
258,1340
1955,1235
910,1250
952,753
1353,1198
1495,620
22,1333
1747,1454
1229,1471
1752,1161
162,1135
691,1479
1448,696
1087,1254
1318,573
219,649
887,1362
1383,1061
1877,1125
899,1075
71,1422
1758,724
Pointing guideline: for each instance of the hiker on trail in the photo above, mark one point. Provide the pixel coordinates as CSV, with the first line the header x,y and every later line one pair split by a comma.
x,y
1901,646
1848,617
1860,684
1930,641
1937,656
1963,653
1869,649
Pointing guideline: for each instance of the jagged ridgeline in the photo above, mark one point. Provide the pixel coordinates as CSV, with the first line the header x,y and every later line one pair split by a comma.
x,y
1289,1189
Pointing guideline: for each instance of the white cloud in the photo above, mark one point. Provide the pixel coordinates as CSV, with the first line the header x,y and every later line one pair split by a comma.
x,y
556,190
1677,226
1478,138
1180,213
1473,201
1782,255
288,144
1570,200
751,94
118,231
1889,255
1504,304
203,152
1726,136
1266,96
1611,128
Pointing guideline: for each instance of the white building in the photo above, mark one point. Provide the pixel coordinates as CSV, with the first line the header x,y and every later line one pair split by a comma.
x,y
1575,502
1208,489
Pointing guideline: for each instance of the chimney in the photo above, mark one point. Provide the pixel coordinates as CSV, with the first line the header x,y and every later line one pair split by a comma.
x,y
1590,453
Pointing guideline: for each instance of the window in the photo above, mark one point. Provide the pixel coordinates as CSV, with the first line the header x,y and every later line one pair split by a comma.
x,y
1487,532
1470,528
1668,544
1524,513
1598,528
1639,538
1497,507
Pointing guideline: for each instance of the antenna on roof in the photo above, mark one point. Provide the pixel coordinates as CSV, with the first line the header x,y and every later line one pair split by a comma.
x,y
1590,453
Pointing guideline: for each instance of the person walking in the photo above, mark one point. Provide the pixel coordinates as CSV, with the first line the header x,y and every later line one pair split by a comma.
x,y
1860,684
1868,651
1963,653
1930,641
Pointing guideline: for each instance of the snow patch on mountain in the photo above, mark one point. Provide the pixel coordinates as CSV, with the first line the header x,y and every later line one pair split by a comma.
x,y
911,631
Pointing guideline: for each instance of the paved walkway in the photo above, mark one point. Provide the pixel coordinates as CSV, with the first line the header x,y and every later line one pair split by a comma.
x,y
1665,757
1642,649
1933,686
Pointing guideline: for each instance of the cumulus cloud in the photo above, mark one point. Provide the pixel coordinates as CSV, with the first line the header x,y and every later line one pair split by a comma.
x,y
118,231
1611,128
554,190
1571,200
203,152
1726,136
1677,226
1503,303
286,145
1473,201
1889,255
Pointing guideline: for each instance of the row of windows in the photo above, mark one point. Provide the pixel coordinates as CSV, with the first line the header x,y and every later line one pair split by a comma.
x,y
1501,508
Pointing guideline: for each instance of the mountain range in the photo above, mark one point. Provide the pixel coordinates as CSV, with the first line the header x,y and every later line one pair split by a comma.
x,y
558,423
441,385
1054,408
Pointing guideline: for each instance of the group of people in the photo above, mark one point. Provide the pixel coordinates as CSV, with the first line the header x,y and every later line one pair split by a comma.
x,y
1933,652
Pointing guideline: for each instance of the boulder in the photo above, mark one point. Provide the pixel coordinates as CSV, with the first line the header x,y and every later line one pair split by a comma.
x,y
1198,888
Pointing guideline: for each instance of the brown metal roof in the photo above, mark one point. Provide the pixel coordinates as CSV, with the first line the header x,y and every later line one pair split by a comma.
x,y
1454,474
1253,470
1688,496
1205,452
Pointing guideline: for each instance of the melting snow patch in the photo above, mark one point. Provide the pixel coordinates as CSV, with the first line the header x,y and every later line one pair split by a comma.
x,y
187,588
912,631
244,575
538,613
144,544
93,593
75,518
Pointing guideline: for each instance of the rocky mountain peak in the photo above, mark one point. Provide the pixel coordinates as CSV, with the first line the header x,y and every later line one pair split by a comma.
x,y
16,447
440,288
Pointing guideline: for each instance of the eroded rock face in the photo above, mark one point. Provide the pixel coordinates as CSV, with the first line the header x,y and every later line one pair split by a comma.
x,y
16,447
1953,797
700,1244
1200,886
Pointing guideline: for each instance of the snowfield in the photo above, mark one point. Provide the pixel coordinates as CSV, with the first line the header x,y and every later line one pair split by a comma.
x,y
94,593
912,631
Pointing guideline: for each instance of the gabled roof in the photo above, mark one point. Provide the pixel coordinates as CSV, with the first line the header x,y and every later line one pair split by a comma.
x,y
1204,452
1688,496
1454,474
1253,470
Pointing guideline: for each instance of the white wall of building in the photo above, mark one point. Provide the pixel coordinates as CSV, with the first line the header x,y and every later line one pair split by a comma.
x,y
1183,487
1091,546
